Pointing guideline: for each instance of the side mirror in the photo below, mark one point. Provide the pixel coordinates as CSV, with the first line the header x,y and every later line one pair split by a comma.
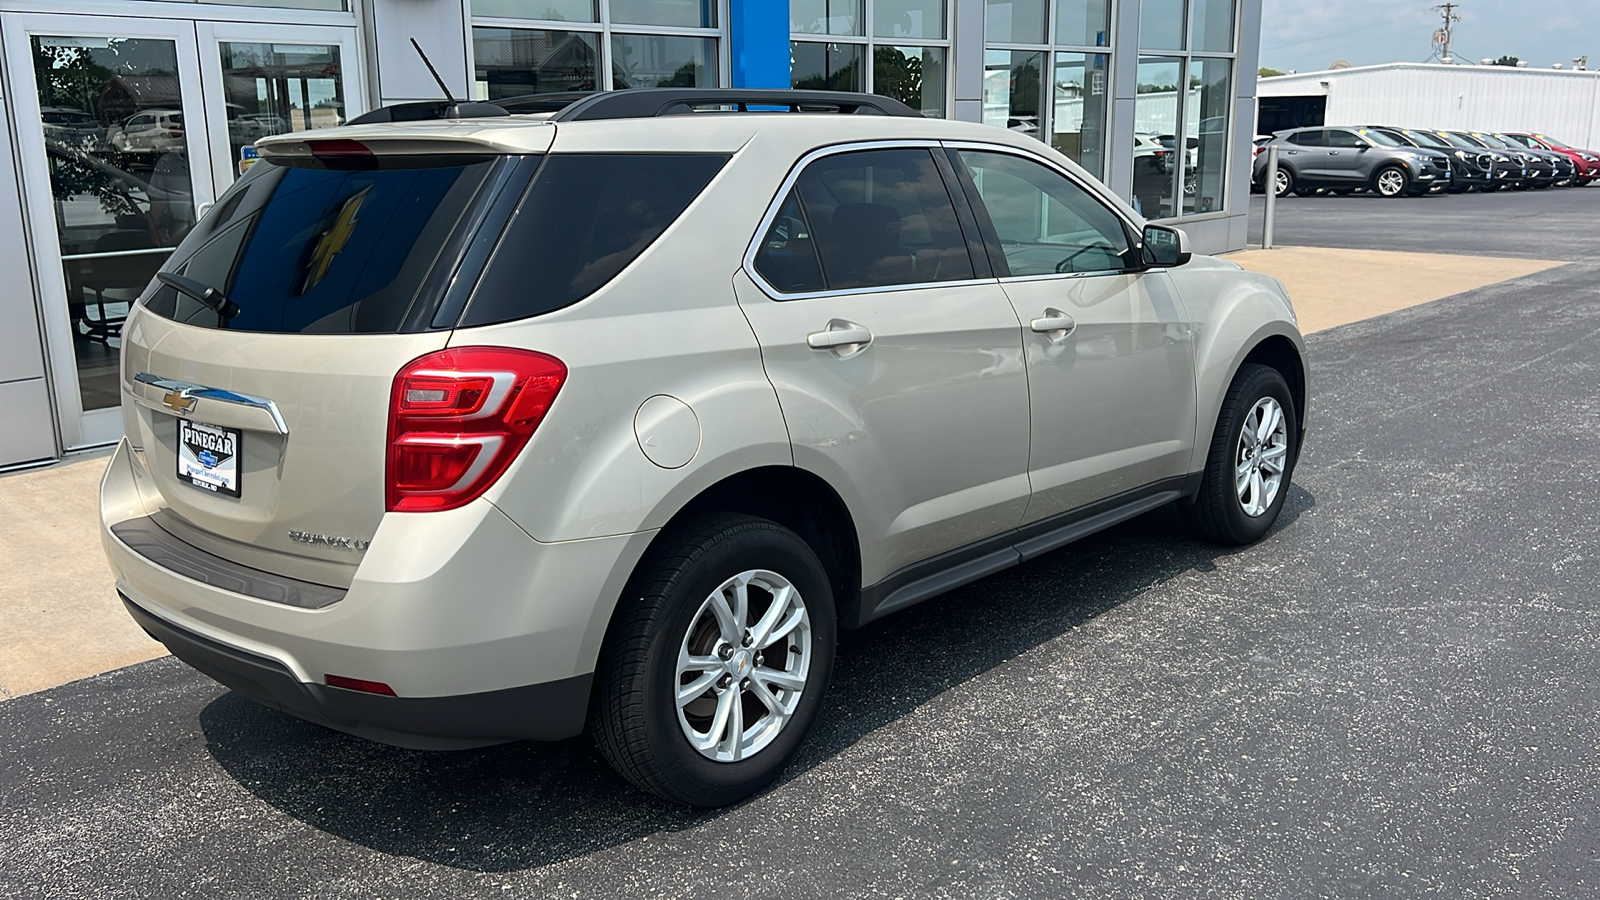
x,y
1165,247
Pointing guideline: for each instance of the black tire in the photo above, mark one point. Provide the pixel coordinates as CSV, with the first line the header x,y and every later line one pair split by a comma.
x,y
633,717
1217,513
1384,184
1342,192
1306,191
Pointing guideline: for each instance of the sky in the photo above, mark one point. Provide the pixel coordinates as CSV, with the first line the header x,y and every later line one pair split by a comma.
x,y
1307,35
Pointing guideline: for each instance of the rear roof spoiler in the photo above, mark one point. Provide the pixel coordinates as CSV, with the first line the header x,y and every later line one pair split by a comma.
x,y
644,103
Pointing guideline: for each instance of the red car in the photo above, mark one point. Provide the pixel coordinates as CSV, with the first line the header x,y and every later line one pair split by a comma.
x,y
1587,161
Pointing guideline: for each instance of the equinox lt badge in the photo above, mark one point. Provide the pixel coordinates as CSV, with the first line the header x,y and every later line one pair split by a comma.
x,y
328,540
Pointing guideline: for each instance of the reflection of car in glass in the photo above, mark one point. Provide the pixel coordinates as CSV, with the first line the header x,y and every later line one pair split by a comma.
x,y
149,131
71,127
267,123
456,510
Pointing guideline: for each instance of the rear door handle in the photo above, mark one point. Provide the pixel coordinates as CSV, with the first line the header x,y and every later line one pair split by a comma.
x,y
1054,324
842,337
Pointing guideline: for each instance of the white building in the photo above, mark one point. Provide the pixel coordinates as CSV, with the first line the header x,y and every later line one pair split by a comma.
x,y
123,119
1563,103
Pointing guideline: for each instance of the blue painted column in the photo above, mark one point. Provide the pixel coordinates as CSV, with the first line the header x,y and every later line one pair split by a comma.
x,y
758,43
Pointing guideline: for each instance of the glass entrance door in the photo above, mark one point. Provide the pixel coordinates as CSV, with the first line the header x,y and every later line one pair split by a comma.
x,y
131,129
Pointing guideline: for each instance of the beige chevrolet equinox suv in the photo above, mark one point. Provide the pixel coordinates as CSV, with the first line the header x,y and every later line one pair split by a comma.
x,y
471,423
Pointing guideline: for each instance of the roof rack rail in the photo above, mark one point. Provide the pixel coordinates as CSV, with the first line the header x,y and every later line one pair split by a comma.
x,y
429,110
523,104
648,103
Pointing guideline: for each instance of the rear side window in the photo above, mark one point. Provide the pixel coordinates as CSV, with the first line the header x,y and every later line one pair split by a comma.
x,y
323,251
873,218
1307,138
584,218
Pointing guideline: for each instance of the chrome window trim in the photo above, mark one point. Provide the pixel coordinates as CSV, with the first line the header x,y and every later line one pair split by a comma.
x,y
1089,189
776,204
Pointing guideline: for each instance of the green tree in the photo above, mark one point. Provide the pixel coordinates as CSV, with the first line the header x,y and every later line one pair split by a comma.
x,y
1507,61
1265,72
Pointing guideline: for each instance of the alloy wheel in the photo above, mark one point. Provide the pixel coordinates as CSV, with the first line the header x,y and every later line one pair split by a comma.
x,y
742,665
1281,182
1391,182
1262,454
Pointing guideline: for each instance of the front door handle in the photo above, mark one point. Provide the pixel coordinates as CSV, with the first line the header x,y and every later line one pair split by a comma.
x,y
842,337
1054,324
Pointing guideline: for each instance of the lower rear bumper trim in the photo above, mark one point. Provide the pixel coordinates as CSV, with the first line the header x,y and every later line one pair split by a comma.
x,y
551,711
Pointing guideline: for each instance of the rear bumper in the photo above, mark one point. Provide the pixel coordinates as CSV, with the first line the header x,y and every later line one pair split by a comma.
x,y
549,712
485,634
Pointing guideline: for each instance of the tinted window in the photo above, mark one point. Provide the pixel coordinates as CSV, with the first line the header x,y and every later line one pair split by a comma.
x,y
1343,139
583,220
1307,138
1383,139
1046,223
788,256
1429,140
324,251
881,218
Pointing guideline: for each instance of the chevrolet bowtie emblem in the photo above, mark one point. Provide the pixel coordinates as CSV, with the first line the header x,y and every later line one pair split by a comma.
x,y
179,401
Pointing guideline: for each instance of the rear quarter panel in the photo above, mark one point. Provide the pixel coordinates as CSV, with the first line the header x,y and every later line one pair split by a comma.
x,y
668,324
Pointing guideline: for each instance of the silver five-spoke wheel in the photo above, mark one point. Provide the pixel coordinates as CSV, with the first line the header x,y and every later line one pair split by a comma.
x,y
1391,182
1262,455
742,665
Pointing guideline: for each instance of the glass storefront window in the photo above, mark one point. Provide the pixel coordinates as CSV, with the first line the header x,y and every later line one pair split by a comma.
x,y
1014,21
1083,23
908,19
552,10
279,88
1210,90
118,156
1013,82
825,17
913,75
649,60
1161,24
332,5
1155,114
678,13
509,62
816,66
1078,115
1213,26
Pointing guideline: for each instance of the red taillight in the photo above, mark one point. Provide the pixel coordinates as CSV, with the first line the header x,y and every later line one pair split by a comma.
x,y
457,418
342,153
358,684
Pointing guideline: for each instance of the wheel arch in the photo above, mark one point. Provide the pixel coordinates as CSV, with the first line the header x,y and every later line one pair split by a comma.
x,y
1275,343
795,498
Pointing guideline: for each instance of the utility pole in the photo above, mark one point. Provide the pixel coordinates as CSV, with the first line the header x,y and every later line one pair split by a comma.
x,y
1441,38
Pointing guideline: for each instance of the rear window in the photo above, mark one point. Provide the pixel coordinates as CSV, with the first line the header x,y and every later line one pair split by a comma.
x,y
584,218
326,251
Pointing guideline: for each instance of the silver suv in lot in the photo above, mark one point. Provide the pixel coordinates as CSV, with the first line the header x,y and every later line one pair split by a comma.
x,y
456,427
1344,159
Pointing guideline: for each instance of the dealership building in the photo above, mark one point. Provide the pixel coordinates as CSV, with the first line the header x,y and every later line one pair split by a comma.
x,y
1561,103
124,119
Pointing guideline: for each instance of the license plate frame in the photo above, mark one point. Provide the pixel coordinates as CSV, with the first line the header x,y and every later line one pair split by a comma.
x,y
208,457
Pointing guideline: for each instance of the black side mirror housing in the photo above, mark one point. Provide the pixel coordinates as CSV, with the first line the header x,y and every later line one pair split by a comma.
x,y
1163,247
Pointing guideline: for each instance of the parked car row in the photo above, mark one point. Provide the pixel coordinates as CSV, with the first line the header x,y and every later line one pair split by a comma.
x,y
154,130
1393,161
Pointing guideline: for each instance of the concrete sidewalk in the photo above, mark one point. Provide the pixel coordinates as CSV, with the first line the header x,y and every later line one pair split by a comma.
x,y
63,620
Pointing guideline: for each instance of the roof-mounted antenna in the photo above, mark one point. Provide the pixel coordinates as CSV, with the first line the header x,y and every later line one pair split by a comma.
x,y
443,88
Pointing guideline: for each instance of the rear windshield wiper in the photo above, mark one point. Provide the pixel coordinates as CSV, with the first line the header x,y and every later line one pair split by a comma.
x,y
208,296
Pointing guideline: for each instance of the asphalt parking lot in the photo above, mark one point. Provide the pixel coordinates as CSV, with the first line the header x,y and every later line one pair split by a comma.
x,y
1555,223
1394,695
